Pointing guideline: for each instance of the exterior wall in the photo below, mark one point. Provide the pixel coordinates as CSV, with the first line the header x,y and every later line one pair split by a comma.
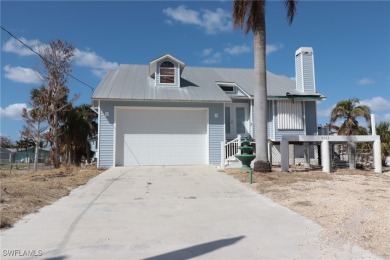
x,y
106,135
311,117
107,131
310,121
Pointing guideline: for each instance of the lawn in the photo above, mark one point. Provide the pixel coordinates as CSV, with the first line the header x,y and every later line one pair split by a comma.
x,y
24,192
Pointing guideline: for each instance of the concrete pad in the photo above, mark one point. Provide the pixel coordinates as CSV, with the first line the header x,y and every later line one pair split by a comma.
x,y
169,213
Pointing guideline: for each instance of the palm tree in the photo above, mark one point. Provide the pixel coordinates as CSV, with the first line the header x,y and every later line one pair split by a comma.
x,y
251,13
349,111
383,129
78,127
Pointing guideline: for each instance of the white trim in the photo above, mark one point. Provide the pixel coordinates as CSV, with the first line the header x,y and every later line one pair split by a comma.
x,y
304,117
224,125
232,84
251,109
114,153
117,108
208,136
274,119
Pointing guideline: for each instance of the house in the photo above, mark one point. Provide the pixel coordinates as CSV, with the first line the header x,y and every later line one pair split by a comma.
x,y
28,155
93,144
167,113
5,155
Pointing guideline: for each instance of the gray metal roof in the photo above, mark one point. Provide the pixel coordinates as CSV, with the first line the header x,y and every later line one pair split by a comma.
x,y
132,82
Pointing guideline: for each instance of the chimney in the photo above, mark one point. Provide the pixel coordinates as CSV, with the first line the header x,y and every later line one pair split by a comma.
x,y
304,70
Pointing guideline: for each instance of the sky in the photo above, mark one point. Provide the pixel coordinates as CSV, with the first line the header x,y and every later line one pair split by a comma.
x,y
350,39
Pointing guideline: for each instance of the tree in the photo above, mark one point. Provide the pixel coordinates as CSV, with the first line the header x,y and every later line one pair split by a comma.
x,y
383,129
24,143
35,126
349,111
78,127
53,95
251,13
6,142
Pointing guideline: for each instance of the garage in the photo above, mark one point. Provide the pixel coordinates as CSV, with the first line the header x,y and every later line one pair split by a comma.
x,y
161,136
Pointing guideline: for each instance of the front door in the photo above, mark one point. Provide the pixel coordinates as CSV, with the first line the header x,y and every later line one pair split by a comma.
x,y
236,120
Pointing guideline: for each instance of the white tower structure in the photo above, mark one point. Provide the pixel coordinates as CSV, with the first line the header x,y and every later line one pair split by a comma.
x,y
304,70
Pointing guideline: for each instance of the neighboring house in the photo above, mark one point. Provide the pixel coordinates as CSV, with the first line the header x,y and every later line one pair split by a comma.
x,y
93,143
166,113
5,155
27,156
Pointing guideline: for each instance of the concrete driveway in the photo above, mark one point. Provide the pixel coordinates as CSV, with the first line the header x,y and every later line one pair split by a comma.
x,y
169,213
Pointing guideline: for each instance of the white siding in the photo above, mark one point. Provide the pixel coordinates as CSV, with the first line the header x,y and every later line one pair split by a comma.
x,y
304,70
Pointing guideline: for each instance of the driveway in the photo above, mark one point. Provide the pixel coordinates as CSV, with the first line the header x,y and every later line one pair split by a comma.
x,y
169,213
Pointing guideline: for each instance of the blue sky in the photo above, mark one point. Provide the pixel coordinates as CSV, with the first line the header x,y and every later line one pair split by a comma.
x,y
351,42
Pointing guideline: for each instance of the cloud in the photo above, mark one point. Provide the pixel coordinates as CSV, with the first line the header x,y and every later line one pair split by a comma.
x,y
14,46
324,112
377,103
91,60
365,81
212,22
270,48
238,49
384,117
211,57
22,75
13,111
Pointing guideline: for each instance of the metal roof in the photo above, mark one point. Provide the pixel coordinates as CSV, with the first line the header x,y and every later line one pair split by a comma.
x,y
133,82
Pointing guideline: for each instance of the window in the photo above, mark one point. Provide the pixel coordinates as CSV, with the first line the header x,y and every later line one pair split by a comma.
x,y
290,115
167,73
229,89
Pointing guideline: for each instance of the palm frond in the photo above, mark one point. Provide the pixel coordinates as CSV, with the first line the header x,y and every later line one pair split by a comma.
x,y
291,6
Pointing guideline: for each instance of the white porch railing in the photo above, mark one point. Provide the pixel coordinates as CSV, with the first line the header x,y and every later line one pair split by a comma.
x,y
229,149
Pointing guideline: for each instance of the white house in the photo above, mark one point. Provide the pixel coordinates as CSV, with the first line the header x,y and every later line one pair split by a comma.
x,y
167,113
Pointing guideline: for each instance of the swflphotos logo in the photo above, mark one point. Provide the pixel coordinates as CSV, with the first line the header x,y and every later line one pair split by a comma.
x,y
20,253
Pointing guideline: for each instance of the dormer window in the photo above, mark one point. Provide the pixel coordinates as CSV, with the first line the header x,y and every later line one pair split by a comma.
x,y
167,73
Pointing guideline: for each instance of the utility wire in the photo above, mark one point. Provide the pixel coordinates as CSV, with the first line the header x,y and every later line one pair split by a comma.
x,y
44,59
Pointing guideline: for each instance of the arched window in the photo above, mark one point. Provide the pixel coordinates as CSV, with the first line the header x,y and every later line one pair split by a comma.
x,y
167,72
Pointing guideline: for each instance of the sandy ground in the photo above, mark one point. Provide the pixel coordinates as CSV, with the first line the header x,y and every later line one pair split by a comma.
x,y
23,192
348,204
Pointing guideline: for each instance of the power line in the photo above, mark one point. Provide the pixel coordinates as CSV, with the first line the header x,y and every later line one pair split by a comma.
x,y
44,59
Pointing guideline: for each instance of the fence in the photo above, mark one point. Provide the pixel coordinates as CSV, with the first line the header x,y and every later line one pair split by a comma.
x,y
296,154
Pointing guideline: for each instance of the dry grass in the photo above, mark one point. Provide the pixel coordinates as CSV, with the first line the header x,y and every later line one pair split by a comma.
x,y
25,192
348,204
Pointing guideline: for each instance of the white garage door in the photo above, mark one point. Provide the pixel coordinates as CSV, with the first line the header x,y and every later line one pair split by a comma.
x,y
161,136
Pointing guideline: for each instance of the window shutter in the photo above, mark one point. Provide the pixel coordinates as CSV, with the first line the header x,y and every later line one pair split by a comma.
x,y
290,115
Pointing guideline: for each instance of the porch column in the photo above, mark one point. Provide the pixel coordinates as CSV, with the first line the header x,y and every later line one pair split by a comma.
x,y
239,144
377,156
325,156
351,155
284,154
291,154
306,154
223,152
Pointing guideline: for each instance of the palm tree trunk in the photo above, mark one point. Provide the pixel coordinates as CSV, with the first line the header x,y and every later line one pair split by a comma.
x,y
260,99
